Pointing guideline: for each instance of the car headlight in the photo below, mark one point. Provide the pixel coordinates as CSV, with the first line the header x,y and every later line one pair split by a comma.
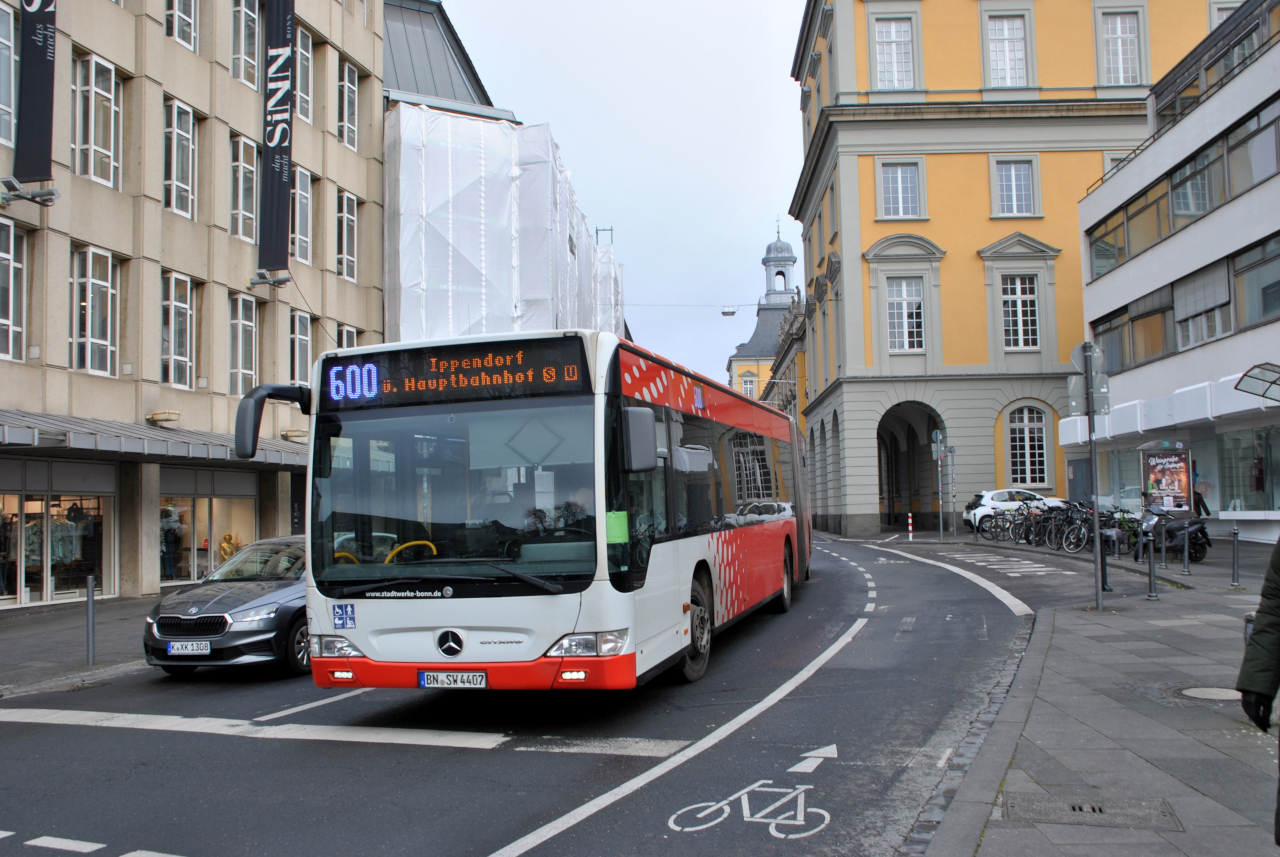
x,y
589,645
333,647
256,614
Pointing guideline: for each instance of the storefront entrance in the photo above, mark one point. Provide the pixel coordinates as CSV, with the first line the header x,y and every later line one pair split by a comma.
x,y
199,533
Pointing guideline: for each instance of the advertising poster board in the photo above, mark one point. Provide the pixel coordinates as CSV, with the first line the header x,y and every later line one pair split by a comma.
x,y
1168,479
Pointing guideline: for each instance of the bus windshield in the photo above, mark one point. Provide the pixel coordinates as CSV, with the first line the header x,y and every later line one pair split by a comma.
x,y
456,492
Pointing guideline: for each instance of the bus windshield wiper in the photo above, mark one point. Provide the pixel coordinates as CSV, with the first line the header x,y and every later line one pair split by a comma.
x,y
553,588
344,591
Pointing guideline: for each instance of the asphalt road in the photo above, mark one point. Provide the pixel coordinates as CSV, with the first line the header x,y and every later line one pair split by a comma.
x,y
147,763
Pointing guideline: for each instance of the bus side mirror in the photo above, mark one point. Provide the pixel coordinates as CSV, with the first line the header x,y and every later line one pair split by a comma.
x,y
639,440
249,412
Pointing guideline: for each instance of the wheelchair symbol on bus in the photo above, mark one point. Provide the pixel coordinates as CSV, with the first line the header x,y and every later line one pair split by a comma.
x,y
783,809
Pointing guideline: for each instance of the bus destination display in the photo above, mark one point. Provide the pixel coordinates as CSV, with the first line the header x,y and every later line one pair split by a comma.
x,y
455,373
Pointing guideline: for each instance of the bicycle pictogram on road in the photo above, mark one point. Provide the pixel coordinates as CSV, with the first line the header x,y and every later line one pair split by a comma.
x,y
788,816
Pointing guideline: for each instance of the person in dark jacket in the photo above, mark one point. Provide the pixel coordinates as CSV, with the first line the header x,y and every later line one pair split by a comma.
x,y
1260,673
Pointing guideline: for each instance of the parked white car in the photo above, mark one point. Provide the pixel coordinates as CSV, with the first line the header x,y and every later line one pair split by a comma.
x,y
987,502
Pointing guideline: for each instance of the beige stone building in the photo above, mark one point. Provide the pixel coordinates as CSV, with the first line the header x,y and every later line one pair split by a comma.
x,y
130,324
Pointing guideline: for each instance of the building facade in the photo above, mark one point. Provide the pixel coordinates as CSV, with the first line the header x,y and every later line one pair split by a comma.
x,y
947,144
750,365
1182,285
130,323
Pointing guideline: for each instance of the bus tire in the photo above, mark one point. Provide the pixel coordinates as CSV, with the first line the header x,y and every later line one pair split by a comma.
x,y
694,663
782,602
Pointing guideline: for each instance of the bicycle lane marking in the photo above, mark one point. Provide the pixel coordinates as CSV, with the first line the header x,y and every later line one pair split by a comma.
x,y
591,807
1005,597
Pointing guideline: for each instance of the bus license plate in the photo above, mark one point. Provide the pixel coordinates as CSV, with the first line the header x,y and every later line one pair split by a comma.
x,y
460,680
190,648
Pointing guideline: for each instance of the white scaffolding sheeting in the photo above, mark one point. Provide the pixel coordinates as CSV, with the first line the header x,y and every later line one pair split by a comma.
x,y
483,232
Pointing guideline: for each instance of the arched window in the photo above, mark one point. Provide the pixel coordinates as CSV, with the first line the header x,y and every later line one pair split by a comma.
x,y
1026,447
779,282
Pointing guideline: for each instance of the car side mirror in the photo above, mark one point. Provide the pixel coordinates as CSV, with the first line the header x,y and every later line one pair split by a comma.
x,y
639,440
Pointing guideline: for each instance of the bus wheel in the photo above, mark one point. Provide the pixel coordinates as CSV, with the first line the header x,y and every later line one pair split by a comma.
x,y
782,603
695,659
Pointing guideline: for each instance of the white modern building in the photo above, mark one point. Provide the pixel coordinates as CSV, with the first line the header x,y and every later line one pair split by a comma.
x,y
1182,282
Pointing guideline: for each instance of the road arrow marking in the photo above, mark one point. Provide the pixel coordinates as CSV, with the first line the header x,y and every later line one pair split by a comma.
x,y
813,759
805,767
827,752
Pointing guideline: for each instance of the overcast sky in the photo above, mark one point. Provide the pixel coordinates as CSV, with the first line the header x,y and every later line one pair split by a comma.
x,y
680,124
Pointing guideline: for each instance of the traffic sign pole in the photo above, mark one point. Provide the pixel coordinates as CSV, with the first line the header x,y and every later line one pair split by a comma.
x,y
1093,473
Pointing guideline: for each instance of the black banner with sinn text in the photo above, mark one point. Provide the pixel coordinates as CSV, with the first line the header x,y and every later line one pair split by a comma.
x,y
33,155
277,138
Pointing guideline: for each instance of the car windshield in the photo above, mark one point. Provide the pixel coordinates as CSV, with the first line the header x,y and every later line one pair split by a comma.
x,y
264,561
454,491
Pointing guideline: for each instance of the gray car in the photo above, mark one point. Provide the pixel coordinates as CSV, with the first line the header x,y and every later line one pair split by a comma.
x,y
251,610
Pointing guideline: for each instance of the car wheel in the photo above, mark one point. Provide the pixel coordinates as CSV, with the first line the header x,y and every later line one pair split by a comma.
x,y
782,603
178,671
297,656
694,664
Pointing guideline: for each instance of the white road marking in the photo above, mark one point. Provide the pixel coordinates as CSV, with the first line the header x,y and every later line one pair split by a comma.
x,y
4,833
870,608
249,729
147,854
1017,606
942,763
65,844
651,747
590,808
867,576
891,538
871,593
309,705
808,766
827,752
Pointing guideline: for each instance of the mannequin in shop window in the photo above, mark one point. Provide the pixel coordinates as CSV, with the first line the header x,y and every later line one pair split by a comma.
x,y
229,547
172,531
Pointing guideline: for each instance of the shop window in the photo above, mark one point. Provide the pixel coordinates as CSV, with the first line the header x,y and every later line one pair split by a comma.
x,y
1248,463
10,548
13,290
1257,282
199,534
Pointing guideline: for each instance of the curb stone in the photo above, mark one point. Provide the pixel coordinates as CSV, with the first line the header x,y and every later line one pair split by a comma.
x,y
965,811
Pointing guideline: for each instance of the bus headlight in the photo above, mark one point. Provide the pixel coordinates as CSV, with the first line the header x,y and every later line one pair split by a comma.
x,y
589,645
332,647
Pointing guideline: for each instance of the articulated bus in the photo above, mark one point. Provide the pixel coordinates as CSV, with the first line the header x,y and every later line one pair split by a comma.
x,y
535,511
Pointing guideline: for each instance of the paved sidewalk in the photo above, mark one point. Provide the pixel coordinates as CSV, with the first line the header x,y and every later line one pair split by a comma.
x,y
48,644
1096,718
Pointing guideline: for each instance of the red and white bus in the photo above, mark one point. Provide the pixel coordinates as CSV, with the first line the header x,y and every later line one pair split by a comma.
x,y
535,511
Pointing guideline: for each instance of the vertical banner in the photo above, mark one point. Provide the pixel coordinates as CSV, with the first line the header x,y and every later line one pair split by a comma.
x,y
1168,479
33,156
276,176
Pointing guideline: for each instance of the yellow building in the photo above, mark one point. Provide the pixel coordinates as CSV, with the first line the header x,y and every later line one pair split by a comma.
x,y
750,367
947,144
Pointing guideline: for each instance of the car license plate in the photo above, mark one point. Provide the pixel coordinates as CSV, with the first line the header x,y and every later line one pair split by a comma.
x,y
190,648
462,680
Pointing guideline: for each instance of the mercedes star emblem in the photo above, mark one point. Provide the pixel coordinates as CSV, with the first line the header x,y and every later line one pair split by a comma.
x,y
448,592
450,643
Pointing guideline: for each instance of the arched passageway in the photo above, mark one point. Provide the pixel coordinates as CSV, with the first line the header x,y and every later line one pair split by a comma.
x,y
908,480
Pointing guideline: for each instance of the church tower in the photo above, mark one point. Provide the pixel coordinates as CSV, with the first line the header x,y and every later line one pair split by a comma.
x,y
749,367
779,263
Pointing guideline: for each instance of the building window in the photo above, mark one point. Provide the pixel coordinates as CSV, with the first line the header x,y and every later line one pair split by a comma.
x,y
95,288
180,22
1007,51
179,159
1220,12
299,348
1257,282
8,73
244,188
833,86
894,66
348,336
906,313
244,41
1015,188
300,216
1026,447
303,74
749,387
1251,150
177,331
348,78
96,97
1021,317
346,235
1141,331
835,211
13,290
901,190
1120,45
244,345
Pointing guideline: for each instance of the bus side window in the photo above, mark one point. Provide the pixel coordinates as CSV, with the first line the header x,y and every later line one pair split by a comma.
x,y
693,466
647,499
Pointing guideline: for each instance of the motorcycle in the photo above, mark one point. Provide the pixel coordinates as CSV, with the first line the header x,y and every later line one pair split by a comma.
x,y
1177,531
